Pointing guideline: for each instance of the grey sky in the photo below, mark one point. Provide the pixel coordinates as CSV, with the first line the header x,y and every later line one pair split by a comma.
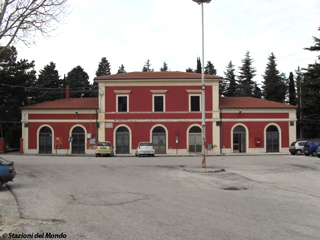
x,y
129,32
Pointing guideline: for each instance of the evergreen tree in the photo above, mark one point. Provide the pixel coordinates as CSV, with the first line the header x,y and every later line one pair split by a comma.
x,y
189,70
17,79
292,90
164,68
316,47
121,69
274,83
310,100
230,81
199,67
147,67
78,81
257,93
246,75
48,84
104,67
310,95
299,81
209,69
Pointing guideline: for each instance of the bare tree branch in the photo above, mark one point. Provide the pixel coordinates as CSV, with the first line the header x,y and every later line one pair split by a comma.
x,y
23,20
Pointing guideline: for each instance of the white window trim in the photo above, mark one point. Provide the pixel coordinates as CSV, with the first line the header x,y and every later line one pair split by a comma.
x,y
164,102
126,95
191,95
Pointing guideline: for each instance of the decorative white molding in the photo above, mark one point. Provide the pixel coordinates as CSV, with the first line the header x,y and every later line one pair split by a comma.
x,y
159,91
122,91
194,90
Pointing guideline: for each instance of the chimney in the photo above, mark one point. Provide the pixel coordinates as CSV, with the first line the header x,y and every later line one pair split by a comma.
x,y
67,92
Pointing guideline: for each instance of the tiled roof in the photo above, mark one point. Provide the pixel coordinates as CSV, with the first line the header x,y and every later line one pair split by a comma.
x,y
250,102
71,103
155,75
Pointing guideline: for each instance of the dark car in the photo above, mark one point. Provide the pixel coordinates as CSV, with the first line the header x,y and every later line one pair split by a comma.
x,y
7,171
318,152
310,147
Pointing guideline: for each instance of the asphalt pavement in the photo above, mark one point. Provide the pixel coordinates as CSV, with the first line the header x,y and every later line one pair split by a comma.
x,y
236,197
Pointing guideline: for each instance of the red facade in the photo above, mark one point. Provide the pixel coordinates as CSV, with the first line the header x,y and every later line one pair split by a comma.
x,y
127,112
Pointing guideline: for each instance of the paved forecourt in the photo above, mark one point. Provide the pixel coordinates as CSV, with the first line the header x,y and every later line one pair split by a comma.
x,y
255,197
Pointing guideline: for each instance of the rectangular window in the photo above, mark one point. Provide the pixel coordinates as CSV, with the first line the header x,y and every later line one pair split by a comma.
x,y
195,103
122,103
158,103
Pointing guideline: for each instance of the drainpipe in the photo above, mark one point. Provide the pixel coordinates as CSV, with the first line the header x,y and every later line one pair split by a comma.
x,y
97,128
221,135
67,93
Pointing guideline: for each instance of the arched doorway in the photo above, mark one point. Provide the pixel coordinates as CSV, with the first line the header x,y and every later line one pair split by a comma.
x,y
195,140
45,140
239,139
122,141
159,140
78,141
272,139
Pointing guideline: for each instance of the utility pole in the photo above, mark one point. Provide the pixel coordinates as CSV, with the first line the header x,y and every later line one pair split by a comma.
x,y
203,90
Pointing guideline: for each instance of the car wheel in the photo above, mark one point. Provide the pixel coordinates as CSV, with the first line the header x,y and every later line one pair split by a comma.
x,y
299,152
314,153
152,155
292,153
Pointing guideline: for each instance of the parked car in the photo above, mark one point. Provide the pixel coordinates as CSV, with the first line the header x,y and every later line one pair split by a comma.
x,y
310,147
297,147
7,171
145,148
104,148
318,152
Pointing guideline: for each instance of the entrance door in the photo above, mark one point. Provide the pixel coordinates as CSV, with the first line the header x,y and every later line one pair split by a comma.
x,y
272,139
239,139
122,141
78,143
45,140
159,140
195,145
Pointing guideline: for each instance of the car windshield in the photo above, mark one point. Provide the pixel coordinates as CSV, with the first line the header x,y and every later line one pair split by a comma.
x,y
3,162
292,144
104,144
307,144
317,143
145,144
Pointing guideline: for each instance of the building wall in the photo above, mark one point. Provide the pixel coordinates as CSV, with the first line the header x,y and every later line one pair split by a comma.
x,y
142,131
140,98
61,124
256,122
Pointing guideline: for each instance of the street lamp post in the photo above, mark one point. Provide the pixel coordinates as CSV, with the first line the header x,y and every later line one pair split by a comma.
x,y
203,92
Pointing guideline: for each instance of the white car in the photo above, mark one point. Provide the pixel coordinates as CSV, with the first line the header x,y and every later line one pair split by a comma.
x,y
145,148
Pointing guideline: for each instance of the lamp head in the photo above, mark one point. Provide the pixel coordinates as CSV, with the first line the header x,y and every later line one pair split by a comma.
x,y
202,1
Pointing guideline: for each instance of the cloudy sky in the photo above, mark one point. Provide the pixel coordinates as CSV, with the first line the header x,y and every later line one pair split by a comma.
x,y
129,32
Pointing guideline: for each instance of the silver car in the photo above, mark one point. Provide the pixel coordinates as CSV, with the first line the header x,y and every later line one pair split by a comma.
x,y
145,148
297,147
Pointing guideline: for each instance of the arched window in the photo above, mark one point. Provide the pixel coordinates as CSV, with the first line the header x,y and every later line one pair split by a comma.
x,y
195,145
45,140
272,134
239,139
78,140
159,140
122,140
